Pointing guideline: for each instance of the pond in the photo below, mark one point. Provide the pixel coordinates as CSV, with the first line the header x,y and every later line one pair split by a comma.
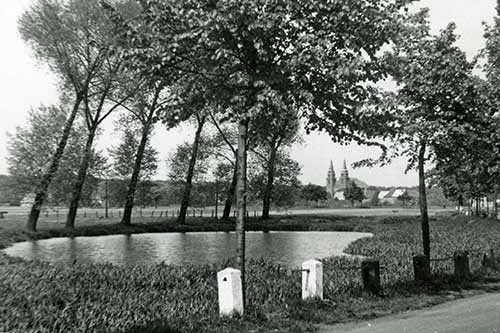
x,y
287,248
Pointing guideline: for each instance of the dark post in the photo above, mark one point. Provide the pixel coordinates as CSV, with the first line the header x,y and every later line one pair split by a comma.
x,y
216,199
370,274
421,268
106,202
84,214
461,260
489,260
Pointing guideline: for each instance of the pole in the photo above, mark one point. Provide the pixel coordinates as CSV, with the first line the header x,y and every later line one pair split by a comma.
x,y
216,198
106,203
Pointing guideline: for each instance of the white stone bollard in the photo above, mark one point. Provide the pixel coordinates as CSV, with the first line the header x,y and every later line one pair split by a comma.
x,y
230,292
312,279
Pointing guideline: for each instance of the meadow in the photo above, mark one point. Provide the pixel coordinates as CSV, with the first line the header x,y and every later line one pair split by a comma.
x,y
43,297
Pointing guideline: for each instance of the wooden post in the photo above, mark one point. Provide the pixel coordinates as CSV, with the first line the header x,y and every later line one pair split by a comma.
x,y
370,274
421,268
489,260
461,260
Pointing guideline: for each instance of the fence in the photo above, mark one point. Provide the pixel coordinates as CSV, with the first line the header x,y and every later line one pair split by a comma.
x,y
158,213
231,298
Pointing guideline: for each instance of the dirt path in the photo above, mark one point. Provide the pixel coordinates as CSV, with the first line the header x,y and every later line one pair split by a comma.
x,y
476,314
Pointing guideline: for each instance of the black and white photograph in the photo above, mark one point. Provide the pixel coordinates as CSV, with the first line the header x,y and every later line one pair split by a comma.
x,y
250,166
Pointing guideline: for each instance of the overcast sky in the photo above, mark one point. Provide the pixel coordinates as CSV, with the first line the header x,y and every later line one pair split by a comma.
x,y
24,83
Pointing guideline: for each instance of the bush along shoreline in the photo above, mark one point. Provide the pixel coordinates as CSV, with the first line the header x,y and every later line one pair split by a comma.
x,y
46,297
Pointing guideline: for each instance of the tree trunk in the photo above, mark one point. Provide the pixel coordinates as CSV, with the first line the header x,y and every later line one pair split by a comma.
x,y
495,207
80,179
132,186
241,198
230,193
106,203
189,178
41,192
423,201
269,185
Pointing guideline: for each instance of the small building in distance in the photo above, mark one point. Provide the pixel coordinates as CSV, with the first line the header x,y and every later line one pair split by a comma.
x,y
335,189
391,196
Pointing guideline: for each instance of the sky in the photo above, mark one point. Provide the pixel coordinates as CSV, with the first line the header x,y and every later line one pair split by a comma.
x,y
25,84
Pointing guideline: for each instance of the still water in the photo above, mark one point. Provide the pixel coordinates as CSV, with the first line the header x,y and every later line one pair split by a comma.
x,y
288,248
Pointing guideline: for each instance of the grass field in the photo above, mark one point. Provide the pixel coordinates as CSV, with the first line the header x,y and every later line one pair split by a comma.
x,y
159,298
55,212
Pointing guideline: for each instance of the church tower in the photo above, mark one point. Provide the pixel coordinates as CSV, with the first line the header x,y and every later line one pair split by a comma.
x,y
344,176
330,181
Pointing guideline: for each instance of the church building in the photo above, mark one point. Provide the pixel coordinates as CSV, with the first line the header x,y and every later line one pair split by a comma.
x,y
335,189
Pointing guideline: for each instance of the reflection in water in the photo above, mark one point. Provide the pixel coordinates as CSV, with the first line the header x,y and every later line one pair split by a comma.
x,y
288,248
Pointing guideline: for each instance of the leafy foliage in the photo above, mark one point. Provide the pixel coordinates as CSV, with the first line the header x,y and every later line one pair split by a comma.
x,y
124,154
286,183
354,193
314,193
32,146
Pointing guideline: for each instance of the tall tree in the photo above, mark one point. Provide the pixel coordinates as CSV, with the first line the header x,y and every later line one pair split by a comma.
x,y
61,36
144,111
273,132
181,168
228,152
437,100
105,94
254,54
200,122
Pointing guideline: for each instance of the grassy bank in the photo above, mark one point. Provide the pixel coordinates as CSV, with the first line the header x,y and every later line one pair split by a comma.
x,y
159,298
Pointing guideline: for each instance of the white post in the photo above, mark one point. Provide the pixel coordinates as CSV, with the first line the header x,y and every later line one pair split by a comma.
x,y
312,279
230,292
